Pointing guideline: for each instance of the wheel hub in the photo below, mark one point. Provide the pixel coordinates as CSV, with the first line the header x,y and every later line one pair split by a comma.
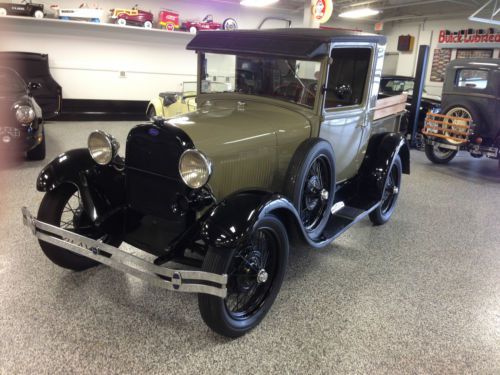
x,y
262,276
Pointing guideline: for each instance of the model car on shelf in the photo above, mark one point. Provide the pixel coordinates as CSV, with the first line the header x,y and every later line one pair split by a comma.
x,y
134,17
216,195
21,130
25,8
470,114
208,23
391,85
168,19
84,12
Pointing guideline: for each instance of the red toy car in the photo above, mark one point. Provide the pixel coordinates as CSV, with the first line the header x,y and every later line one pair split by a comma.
x,y
168,19
132,16
209,24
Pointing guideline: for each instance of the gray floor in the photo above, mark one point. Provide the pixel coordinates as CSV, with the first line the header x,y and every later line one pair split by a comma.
x,y
418,295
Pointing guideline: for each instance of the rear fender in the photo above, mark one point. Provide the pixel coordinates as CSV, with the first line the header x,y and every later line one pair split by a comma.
x,y
380,155
230,223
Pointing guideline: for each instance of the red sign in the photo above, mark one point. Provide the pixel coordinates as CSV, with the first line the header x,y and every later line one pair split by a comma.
x,y
468,36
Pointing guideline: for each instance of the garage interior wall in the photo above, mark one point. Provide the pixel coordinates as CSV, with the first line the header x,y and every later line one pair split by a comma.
x,y
425,32
121,63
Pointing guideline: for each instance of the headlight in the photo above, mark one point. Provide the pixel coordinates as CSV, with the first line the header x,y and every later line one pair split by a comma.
x,y
194,168
102,147
25,114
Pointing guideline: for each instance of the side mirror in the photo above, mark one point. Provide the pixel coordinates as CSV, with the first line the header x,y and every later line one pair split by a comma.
x,y
34,85
343,91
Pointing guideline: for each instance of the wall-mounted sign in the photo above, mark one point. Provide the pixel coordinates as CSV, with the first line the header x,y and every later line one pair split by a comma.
x,y
322,10
470,38
379,26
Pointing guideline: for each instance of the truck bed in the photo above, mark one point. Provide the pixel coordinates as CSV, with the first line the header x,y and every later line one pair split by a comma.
x,y
389,106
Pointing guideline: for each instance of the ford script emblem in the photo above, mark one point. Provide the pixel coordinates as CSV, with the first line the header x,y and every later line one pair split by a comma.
x,y
154,132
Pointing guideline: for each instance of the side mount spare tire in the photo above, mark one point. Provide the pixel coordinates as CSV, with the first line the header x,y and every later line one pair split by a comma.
x,y
310,184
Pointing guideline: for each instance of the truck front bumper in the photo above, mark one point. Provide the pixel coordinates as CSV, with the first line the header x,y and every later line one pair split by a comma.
x,y
168,278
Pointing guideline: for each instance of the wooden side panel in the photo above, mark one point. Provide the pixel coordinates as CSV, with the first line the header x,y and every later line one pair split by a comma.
x,y
389,106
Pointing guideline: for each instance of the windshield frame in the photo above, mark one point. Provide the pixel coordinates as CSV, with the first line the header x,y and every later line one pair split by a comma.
x,y
220,95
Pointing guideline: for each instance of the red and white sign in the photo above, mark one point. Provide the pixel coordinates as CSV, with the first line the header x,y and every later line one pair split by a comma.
x,y
469,36
322,10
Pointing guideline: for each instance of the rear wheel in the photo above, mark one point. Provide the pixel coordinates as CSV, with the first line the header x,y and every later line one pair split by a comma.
x,y
62,207
229,24
383,212
193,30
439,155
121,21
255,273
38,14
148,25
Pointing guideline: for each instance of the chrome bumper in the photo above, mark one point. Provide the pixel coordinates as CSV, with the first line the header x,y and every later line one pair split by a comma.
x,y
171,279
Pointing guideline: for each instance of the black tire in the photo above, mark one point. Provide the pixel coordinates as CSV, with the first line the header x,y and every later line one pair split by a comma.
x,y
151,113
51,211
383,212
221,315
38,153
302,187
230,24
439,155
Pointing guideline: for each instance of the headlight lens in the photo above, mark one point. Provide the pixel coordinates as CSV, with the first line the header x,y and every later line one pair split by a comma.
x,y
102,147
25,114
194,168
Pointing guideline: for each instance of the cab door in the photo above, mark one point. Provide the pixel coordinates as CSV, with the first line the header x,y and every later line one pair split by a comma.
x,y
345,121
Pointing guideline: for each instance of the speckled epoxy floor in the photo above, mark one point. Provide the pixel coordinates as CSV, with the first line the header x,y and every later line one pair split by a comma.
x,y
418,295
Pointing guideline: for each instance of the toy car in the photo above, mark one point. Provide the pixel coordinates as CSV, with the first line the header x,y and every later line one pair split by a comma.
x,y
168,19
132,16
209,24
26,8
216,195
23,129
470,112
170,104
84,12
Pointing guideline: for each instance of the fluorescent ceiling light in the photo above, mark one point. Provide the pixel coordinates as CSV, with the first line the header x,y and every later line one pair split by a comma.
x,y
359,13
257,3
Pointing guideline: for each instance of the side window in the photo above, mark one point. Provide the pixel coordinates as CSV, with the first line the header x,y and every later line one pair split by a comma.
x,y
473,78
347,77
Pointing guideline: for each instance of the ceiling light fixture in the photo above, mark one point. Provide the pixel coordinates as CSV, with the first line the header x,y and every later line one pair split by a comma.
x,y
359,13
257,3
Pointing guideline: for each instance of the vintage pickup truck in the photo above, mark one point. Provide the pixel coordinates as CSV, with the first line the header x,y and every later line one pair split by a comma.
x,y
302,153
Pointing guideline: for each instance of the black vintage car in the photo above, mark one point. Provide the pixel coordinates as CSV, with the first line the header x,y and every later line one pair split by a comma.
x,y
469,119
25,8
21,129
391,85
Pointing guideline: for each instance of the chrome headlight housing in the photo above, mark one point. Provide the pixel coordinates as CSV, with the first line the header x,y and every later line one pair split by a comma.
x,y
25,114
195,168
102,147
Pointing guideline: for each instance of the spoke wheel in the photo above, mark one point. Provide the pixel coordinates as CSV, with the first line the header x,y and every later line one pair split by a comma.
x,y
62,207
255,274
460,112
390,194
316,190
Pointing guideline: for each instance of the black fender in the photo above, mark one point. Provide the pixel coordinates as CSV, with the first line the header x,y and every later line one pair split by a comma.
x,y
380,154
96,183
229,224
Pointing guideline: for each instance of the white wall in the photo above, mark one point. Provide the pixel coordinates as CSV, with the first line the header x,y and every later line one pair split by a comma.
x,y
425,33
87,59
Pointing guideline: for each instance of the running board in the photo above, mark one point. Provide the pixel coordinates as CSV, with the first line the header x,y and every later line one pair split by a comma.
x,y
344,218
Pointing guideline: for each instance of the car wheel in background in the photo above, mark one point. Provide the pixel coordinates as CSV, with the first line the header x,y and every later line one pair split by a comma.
x,y
148,25
439,155
229,24
38,14
193,30
3,12
121,21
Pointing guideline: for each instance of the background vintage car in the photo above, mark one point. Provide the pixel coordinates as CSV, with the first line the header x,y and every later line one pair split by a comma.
x,y
22,129
132,16
470,104
26,8
208,23
84,12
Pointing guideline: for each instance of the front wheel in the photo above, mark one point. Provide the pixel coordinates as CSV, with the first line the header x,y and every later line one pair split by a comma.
x,y
62,207
229,24
3,12
148,25
193,30
255,273
121,21
38,14
383,212
439,155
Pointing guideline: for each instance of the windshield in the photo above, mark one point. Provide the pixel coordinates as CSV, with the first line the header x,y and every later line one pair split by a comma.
x,y
10,82
285,79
